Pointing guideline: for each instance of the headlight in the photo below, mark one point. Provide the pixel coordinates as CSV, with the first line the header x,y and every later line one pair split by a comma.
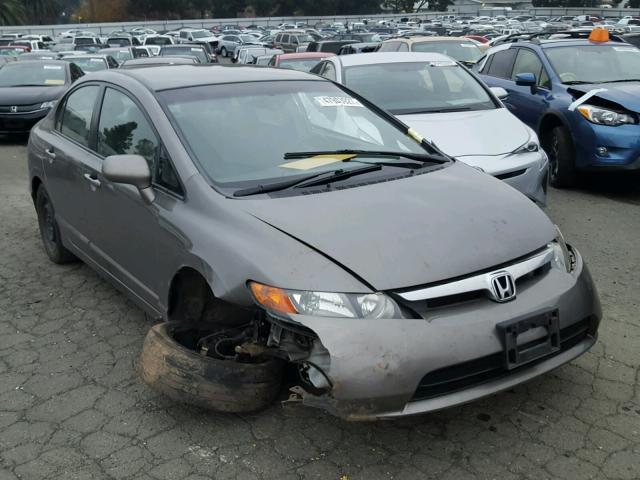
x,y
532,145
325,304
50,104
563,258
603,116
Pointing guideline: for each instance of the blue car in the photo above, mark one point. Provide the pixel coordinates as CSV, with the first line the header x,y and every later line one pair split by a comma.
x,y
581,95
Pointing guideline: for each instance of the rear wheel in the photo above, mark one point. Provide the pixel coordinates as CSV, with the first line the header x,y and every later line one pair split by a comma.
x,y
49,230
562,161
224,52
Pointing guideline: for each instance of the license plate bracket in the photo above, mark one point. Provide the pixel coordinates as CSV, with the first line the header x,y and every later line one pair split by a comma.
x,y
516,355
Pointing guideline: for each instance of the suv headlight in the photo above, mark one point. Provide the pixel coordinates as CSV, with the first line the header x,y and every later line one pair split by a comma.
x,y
563,258
325,304
50,104
603,116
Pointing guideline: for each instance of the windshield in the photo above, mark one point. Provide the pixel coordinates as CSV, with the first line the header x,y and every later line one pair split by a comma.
x,y
460,51
418,87
200,34
32,74
88,64
157,41
120,55
119,42
239,133
197,52
248,38
11,52
302,65
595,63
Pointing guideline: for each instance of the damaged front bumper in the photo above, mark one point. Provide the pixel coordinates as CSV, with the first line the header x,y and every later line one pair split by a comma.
x,y
453,354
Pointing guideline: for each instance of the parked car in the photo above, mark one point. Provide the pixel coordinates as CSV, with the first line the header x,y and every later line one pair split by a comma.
x,y
359,48
248,55
227,44
92,63
302,62
13,51
28,90
448,105
459,48
308,243
158,62
185,50
156,42
291,41
32,45
122,41
87,43
125,53
579,94
38,55
331,46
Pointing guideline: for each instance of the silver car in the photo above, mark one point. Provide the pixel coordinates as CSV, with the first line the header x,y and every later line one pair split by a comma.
x,y
448,105
398,280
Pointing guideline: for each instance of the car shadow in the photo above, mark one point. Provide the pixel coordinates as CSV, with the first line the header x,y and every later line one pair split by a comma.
x,y
14,140
623,187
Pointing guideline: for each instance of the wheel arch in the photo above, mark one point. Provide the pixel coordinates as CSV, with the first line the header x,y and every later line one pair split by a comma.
x,y
35,185
188,292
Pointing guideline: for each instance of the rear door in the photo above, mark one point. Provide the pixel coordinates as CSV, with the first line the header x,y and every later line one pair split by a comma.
x,y
67,156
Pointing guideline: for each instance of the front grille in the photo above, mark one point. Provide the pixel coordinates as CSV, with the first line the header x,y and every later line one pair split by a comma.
x,y
491,367
20,108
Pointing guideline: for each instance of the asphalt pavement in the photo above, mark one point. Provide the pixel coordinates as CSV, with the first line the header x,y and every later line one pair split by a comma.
x,y
73,407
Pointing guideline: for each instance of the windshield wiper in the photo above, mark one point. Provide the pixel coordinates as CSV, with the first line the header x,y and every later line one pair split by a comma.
x,y
625,80
421,157
578,82
275,186
337,175
30,85
308,181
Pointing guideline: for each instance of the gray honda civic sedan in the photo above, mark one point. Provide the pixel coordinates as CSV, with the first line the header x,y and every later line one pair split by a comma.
x,y
398,280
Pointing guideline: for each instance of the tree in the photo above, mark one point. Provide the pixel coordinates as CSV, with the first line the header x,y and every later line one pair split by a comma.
x,y
440,5
399,6
11,12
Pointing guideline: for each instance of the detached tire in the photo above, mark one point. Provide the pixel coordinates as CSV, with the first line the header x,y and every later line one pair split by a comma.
x,y
562,158
188,377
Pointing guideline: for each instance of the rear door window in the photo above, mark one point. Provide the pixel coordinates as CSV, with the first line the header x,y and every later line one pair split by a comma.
x,y
502,63
74,120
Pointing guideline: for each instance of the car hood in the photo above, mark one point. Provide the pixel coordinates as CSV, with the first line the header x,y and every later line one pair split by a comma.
x,y
626,94
471,133
29,95
414,231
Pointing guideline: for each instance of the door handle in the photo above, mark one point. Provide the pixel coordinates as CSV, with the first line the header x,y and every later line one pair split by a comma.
x,y
92,180
51,154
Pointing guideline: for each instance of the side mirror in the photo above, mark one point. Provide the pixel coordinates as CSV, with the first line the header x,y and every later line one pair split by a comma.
x,y
131,170
499,92
526,80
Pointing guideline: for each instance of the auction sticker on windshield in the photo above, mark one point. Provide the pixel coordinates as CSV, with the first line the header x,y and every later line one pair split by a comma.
x,y
317,161
337,101
626,49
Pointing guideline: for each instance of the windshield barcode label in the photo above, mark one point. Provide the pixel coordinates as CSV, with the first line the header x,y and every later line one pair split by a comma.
x,y
338,102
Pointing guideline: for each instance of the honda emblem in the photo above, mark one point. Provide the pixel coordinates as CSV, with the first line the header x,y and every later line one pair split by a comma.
x,y
503,287
14,109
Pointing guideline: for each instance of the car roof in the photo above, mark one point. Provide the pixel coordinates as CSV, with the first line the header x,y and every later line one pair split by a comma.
x,y
391,57
303,55
182,76
427,39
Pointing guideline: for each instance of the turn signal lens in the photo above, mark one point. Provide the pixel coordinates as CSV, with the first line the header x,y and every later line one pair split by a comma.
x,y
272,298
599,35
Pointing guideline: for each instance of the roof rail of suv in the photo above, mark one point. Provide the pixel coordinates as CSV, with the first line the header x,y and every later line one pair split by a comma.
x,y
536,37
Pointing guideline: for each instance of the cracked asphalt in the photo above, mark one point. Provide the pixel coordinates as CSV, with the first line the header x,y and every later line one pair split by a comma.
x,y
73,407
